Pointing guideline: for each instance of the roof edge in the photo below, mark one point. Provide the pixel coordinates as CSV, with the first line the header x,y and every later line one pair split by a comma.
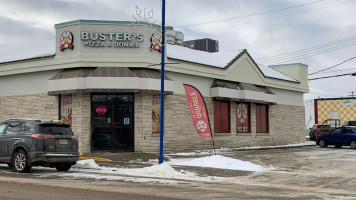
x,y
104,22
284,65
254,62
30,59
338,98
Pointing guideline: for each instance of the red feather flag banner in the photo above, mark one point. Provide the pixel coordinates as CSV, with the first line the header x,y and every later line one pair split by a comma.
x,y
198,111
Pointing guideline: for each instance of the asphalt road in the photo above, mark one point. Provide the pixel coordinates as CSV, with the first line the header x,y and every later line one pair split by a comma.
x,y
17,191
293,173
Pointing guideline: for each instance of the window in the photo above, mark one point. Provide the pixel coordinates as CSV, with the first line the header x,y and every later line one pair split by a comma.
x,y
66,108
26,127
221,117
243,118
156,106
14,127
347,130
2,127
336,131
261,118
323,126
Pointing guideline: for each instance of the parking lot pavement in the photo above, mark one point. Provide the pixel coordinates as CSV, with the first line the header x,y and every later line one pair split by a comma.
x,y
141,160
305,172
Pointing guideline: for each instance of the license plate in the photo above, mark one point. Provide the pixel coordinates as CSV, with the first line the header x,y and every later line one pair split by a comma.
x,y
62,141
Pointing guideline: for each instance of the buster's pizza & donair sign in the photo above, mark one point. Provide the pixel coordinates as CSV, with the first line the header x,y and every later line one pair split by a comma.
x,y
111,39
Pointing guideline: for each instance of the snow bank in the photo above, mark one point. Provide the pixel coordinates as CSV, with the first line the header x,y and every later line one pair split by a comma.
x,y
223,150
221,162
164,170
87,164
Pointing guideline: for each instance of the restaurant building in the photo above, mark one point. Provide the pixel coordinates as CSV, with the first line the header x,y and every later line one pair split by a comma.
x,y
103,77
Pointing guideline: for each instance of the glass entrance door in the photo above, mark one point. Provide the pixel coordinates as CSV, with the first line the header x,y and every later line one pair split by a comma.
x,y
112,122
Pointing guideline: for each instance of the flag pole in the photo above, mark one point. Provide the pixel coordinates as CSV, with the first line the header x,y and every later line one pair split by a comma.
x,y
212,134
160,158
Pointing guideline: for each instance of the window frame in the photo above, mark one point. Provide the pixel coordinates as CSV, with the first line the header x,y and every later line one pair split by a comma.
x,y
3,130
248,117
262,122
217,122
14,132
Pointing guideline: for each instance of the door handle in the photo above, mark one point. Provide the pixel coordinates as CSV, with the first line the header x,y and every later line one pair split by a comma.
x,y
16,138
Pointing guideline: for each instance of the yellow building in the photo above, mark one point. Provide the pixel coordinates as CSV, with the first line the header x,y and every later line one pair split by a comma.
x,y
343,109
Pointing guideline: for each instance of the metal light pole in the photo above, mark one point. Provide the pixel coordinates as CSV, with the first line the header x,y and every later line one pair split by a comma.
x,y
160,159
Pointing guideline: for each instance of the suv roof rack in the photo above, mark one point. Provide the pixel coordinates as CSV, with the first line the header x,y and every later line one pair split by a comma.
x,y
52,120
27,119
38,120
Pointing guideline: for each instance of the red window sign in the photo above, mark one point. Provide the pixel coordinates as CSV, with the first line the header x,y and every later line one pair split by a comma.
x,y
101,110
243,118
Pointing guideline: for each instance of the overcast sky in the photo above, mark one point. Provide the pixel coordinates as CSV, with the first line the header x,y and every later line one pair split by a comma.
x,y
318,33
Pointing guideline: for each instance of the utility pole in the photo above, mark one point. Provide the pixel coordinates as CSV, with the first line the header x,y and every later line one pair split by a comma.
x,y
160,158
352,94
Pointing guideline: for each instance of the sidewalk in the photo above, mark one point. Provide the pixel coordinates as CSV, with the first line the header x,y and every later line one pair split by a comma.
x,y
140,160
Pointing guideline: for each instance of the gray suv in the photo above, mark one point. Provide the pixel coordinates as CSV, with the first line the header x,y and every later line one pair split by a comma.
x,y
28,142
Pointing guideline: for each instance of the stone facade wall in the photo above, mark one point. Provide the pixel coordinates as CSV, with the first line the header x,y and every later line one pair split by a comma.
x,y
42,106
36,106
81,120
286,125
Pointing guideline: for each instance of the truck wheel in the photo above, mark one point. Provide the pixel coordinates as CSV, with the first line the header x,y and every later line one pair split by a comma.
x,y
311,137
21,162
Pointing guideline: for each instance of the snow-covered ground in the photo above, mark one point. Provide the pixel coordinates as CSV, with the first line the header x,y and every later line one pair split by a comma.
x,y
221,162
169,171
164,172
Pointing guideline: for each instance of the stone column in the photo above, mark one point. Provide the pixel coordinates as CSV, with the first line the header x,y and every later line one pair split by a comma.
x,y
81,124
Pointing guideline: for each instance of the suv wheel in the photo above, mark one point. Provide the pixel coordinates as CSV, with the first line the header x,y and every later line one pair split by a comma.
x,y
353,144
322,144
21,162
63,167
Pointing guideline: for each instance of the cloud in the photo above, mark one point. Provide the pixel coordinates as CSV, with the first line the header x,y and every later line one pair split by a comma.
x,y
263,35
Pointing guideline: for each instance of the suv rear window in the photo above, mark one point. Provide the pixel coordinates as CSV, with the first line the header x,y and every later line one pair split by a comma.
x,y
53,129
324,126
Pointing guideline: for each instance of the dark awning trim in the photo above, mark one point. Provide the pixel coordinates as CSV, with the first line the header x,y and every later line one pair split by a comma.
x,y
245,92
108,72
240,86
82,72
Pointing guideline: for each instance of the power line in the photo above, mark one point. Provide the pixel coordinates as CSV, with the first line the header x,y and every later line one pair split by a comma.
x,y
323,94
352,74
345,40
251,15
332,66
269,19
296,55
304,50
337,70
309,55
